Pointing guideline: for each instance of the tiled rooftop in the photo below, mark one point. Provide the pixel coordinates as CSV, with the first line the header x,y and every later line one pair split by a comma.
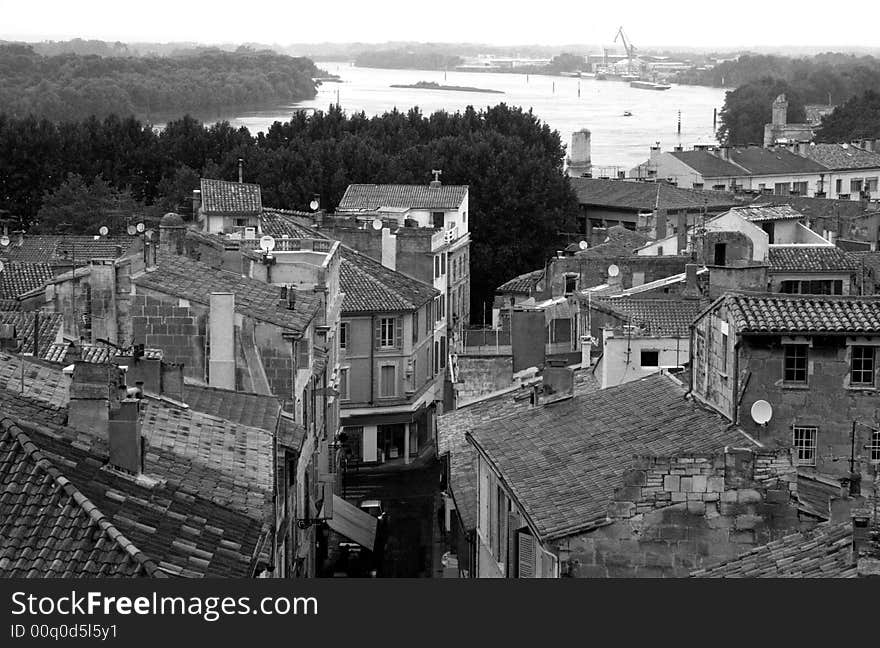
x,y
768,212
48,527
764,161
23,321
252,410
182,277
371,287
659,317
146,530
42,381
64,250
708,165
18,278
283,222
772,313
523,284
818,258
451,429
563,461
619,241
222,197
370,197
646,196
816,207
822,552
842,156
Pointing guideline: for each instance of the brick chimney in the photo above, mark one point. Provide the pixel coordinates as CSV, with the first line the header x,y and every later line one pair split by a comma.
x,y
172,234
557,383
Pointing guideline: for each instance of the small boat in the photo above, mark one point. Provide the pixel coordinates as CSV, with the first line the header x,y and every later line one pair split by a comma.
x,y
649,85
627,113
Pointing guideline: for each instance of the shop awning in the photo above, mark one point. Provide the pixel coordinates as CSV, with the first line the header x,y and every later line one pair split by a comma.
x,y
353,523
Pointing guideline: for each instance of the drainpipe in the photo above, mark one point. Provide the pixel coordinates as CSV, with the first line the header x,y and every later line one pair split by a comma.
x,y
372,355
735,381
691,363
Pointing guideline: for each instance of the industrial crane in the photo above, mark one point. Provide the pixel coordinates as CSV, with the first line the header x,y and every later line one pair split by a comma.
x,y
629,47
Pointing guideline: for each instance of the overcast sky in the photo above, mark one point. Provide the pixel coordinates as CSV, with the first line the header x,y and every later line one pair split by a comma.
x,y
653,22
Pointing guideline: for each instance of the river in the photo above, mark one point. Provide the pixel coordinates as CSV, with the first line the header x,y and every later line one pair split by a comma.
x,y
617,141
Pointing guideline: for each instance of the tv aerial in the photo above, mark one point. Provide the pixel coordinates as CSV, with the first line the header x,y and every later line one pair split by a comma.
x,y
267,244
377,224
762,412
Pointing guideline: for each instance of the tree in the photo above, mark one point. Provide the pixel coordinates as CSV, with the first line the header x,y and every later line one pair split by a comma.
x,y
856,119
78,207
748,108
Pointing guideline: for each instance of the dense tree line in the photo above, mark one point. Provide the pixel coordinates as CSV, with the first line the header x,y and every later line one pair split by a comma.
x,y
519,197
822,79
858,118
72,86
408,59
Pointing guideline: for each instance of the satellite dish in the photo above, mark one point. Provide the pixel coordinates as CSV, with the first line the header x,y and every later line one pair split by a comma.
x,y
314,204
762,411
104,231
131,229
613,270
377,224
1,266
583,245
4,240
140,228
267,243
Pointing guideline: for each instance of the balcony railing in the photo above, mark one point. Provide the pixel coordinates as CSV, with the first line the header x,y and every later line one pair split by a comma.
x,y
291,245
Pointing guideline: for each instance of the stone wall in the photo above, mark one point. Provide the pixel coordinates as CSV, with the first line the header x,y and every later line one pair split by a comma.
x,y
482,375
174,325
672,515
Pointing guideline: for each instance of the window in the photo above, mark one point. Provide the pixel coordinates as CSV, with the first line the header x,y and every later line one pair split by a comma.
x,y
838,186
437,267
464,217
804,442
443,352
343,384
770,228
720,254
343,335
799,188
388,381
415,327
437,219
724,353
795,363
443,264
650,358
387,332
782,188
855,186
862,366
874,447
571,282
442,306
871,185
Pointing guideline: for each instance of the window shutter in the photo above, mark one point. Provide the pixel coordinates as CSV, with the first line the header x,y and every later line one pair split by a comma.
x,y
526,555
513,524
398,332
378,333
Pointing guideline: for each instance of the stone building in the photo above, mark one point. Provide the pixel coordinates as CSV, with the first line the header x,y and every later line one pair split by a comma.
x,y
779,130
635,480
812,358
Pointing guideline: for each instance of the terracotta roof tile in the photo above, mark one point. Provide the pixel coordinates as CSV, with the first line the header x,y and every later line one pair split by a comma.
x,y
562,461
765,313
818,258
222,197
451,429
371,197
50,329
283,222
768,212
646,196
63,250
842,156
182,277
523,284
18,278
659,317
371,287
822,552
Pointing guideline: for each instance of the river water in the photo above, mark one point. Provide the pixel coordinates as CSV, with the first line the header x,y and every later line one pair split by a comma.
x,y
617,141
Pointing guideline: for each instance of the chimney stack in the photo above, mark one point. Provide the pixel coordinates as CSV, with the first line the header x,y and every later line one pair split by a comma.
x,y
172,234
655,151
724,152
125,440
240,170
557,383
436,181
95,389
221,329
197,203
691,287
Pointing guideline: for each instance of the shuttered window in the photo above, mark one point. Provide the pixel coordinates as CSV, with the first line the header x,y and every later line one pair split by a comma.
x,y
389,332
302,354
526,555
388,381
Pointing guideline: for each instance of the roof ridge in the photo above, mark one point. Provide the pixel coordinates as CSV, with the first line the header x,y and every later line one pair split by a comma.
x,y
20,437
